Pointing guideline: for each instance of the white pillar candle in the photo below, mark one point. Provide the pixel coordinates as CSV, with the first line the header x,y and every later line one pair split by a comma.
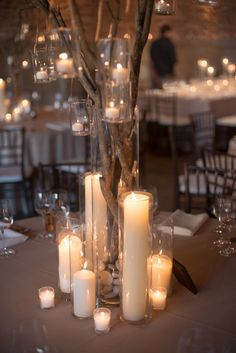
x,y
135,256
41,75
161,271
96,216
2,99
70,260
159,298
210,71
64,65
120,74
102,318
46,297
112,112
84,293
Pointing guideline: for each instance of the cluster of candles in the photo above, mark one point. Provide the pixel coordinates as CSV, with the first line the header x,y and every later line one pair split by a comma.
x,y
209,71
78,278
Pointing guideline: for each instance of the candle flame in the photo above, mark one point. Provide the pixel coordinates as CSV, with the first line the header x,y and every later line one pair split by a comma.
x,y
63,56
112,104
85,265
119,66
210,69
225,61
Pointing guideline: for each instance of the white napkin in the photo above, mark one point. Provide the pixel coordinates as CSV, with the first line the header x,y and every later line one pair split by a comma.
x,y
11,238
187,224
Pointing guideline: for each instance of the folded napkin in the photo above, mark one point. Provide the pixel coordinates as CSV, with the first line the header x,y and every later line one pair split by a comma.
x,y
12,238
187,224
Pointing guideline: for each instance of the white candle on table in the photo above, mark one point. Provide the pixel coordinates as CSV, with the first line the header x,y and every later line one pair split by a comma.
x,y
161,271
96,214
135,256
112,112
41,75
2,99
202,65
64,65
159,298
69,249
102,318
225,62
84,293
46,297
210,71
120,73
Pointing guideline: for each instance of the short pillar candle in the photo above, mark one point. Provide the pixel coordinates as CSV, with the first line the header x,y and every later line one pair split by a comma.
x,y
159,298
102,318
46,297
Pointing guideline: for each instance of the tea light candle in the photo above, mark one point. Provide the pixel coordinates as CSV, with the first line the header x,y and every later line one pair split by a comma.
x,y
64,65
161,271
159,298
225,62
112,112
77,126
202,65
46,297
84,293
102,318
135,255
210,71
41,75
120,73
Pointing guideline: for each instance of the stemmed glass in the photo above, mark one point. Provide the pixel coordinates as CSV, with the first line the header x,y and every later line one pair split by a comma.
x,y
218,211
41,206
6,220
228,217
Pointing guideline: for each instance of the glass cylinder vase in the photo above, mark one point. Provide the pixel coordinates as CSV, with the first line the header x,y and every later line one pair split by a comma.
x,y
135,243
120,141
70,252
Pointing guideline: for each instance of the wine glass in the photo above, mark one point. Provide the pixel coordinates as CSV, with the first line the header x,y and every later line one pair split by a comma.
x,y
218,211
42,207
228,217
6,220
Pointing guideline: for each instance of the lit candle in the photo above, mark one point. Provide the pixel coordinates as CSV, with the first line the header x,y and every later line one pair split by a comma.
x,y
96,215
2,99
8,117
77,126
84,293
159,298
64,65
120,74
231,69
102,318
41,75
112,112
202,65
225,62
70,260
161,271
135,256
210,71
162,7
46,297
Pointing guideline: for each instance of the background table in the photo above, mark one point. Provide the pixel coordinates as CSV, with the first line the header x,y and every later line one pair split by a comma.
x,y
206,320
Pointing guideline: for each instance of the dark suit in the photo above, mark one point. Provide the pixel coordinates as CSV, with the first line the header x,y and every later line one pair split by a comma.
x,y
163,57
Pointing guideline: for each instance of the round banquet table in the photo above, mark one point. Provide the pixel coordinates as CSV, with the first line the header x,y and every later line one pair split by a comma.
x,y
204,323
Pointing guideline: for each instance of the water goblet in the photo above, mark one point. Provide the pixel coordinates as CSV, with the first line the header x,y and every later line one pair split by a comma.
x,y
6,220
218,211
41,206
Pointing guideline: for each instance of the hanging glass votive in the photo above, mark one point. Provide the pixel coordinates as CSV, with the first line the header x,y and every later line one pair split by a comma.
x,y
135,226
165,7
113,57
41,66
61,42
117,102
80,116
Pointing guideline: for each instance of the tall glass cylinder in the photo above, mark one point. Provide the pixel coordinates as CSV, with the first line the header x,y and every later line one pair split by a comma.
x,y
70,252
135,243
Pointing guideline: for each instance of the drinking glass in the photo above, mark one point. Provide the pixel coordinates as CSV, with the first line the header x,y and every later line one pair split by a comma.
x,y
41,206
6,220
218,211
228,218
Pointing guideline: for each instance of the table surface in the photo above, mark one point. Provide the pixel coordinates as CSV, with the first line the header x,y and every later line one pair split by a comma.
x,y
202,323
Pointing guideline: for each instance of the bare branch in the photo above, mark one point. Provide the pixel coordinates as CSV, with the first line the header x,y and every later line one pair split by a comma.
x,y
99,20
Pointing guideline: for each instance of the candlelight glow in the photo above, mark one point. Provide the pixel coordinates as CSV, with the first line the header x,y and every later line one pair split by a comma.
x,y
63,56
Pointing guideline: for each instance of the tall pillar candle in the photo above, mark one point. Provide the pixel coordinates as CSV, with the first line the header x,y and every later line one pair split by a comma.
x,y
136,249
84,293
161,271
70,260
2,99
95,217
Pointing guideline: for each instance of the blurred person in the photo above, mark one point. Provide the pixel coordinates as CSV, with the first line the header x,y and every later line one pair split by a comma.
x,y
163,56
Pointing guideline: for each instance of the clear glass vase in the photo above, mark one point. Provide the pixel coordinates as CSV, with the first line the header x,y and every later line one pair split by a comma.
x,y
113,148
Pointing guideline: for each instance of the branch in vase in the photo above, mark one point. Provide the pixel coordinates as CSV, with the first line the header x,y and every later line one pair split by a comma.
x,y
111,201
115,17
